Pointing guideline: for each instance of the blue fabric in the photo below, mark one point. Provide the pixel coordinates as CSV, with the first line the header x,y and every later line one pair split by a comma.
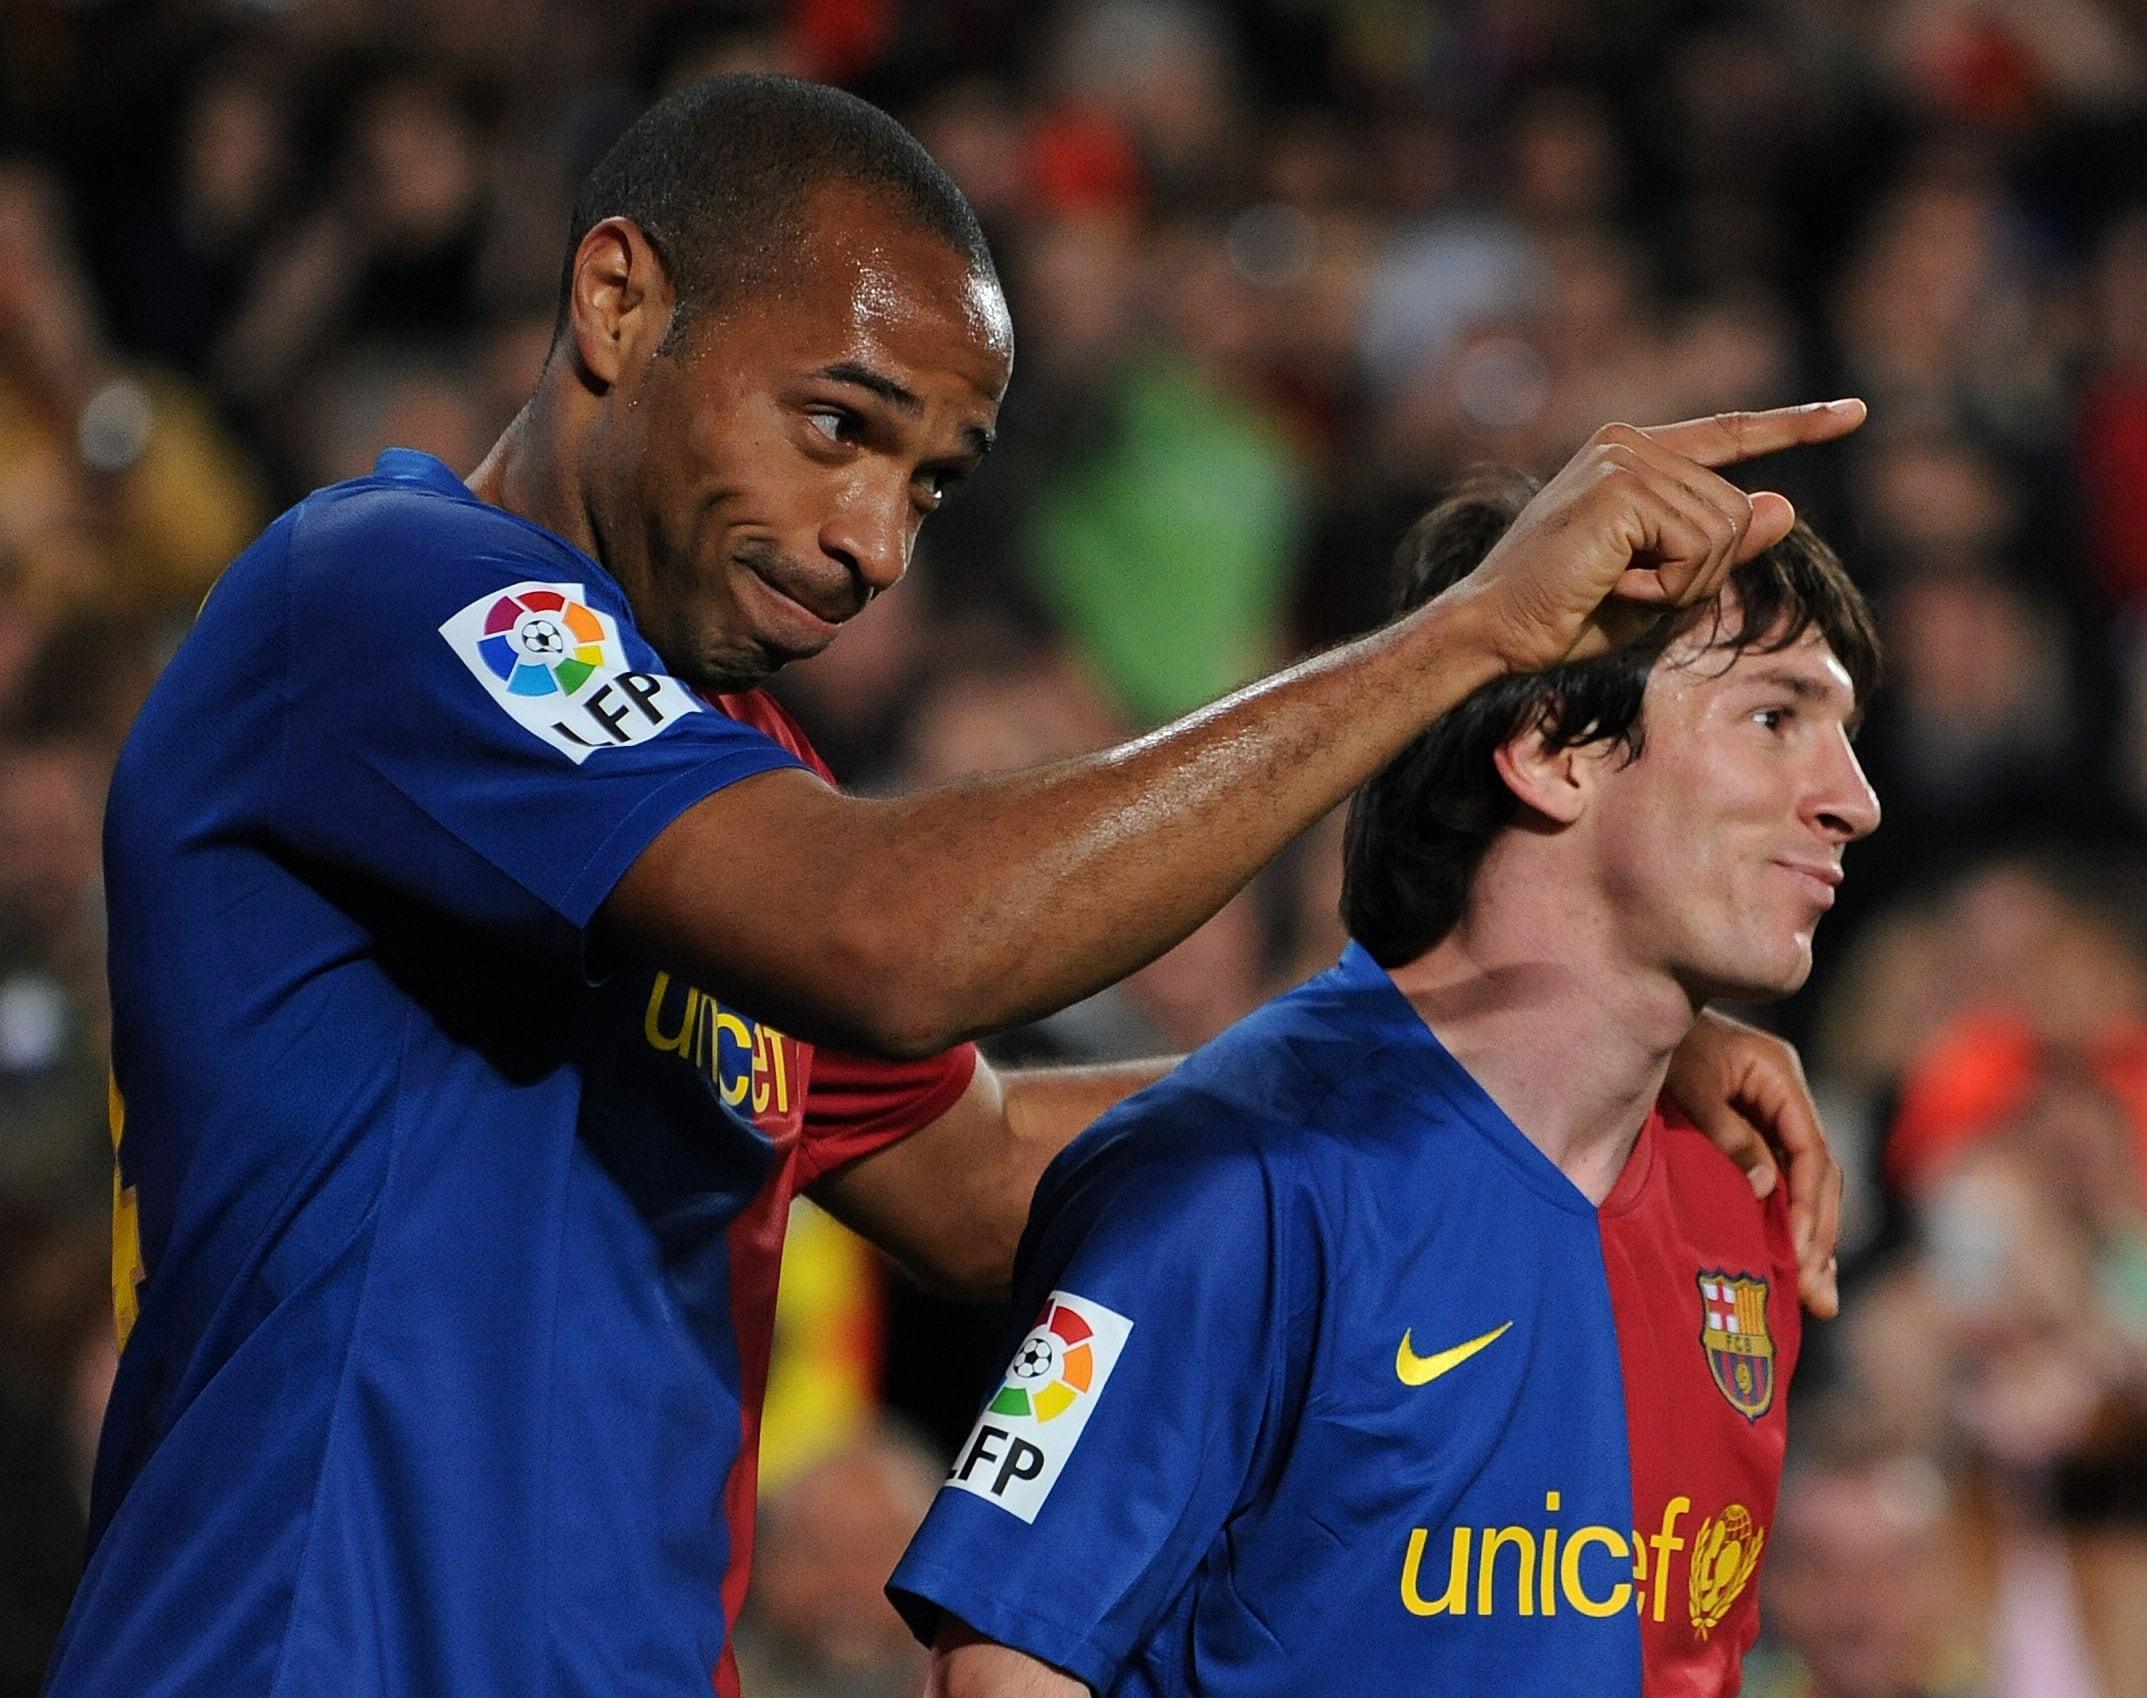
x,y
434,1387
1236,1516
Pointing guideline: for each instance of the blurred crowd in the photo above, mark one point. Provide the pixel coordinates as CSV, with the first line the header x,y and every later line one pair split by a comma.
x,y
1280,270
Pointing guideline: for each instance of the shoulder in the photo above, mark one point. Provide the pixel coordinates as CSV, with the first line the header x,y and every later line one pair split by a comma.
x,y
1248,1121
419,546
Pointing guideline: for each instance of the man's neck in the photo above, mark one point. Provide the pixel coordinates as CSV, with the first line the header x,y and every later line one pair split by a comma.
x,y
527,471
1529,993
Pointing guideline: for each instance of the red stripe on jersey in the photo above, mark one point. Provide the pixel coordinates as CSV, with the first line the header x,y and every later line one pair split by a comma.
x,y
862,1105
767,715
1703,1281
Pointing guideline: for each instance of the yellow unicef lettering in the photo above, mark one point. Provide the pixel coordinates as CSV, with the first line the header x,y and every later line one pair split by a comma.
x,y
770,1083
1665,1542
1456,1599
1569,1571
127,1269
1495,1539
652,1024
742,1035
782,1076
707,1051
1551,1502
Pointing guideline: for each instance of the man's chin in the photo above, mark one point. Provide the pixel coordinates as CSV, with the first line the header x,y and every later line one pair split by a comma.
x,y
732,667
1750,982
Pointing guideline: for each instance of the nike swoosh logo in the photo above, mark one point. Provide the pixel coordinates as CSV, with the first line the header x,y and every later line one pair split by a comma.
x,y
1416,1370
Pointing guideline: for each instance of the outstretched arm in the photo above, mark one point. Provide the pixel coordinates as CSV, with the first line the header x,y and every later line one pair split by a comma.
x,y
901,925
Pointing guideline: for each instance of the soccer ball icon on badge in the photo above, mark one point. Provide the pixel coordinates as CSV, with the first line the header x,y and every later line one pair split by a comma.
x,y
541,637
1037,1358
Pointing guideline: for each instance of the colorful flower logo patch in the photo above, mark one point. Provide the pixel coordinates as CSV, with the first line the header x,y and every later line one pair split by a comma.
x,y
559,668
1054,1366
1029,1429
540,643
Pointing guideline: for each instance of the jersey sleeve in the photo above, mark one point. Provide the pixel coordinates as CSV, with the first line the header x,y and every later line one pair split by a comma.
x,y
855,1105
1137,1412
472,718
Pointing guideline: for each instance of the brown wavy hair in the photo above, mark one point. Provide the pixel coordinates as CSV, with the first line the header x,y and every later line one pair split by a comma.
x,y
1419,828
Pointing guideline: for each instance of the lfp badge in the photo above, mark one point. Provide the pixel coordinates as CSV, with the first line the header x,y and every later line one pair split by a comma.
x,y
557,666
1733,1332
1021,1442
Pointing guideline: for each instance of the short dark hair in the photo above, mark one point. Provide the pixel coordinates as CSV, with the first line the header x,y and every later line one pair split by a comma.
x,y
1419,828
718,175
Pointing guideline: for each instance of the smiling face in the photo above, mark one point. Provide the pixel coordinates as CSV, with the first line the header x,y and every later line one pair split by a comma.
x,y
762,474
1718,849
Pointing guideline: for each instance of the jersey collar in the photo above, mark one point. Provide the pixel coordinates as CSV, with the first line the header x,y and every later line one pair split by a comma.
x,y
414,466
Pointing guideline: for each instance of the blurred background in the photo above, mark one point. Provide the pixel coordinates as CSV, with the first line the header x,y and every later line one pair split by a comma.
x,y
1280,269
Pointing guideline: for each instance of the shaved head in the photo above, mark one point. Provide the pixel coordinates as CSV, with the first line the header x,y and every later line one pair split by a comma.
x,y
720,176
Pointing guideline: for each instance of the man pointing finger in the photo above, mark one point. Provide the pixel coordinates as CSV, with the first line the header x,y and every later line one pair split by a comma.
x,y
479,929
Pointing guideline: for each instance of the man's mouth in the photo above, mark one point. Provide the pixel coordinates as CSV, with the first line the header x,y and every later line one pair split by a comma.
x,y
1820,878
820,608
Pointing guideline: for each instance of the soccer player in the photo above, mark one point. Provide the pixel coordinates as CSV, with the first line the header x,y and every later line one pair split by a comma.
x,y
474,924
1404,1338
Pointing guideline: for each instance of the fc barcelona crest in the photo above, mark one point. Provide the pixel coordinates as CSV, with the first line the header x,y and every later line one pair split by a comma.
x,y
1733,1332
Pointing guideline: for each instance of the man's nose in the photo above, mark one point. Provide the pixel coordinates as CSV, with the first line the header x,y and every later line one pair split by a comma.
x,y
1846,803
871,533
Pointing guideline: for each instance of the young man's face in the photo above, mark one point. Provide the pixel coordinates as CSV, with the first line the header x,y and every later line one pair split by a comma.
x,y
1720,847
777,458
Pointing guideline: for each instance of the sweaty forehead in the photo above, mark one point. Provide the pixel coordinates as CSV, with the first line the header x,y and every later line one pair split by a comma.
x,y
888,259
898,277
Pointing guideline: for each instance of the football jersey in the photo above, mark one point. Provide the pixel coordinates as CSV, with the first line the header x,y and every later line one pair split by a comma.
x,y
445,1254
1336,1384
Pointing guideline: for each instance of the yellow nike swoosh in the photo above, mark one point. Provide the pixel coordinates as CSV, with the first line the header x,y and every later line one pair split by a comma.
x,y
1418,1370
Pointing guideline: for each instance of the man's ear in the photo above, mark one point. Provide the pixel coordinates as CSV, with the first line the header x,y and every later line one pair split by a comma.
x,y
621,304
1554,782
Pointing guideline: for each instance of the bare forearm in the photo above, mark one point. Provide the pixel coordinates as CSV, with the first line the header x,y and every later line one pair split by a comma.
x,y
1033,891
905,924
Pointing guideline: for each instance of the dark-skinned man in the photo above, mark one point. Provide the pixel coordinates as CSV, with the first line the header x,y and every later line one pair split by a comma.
x,y
475,921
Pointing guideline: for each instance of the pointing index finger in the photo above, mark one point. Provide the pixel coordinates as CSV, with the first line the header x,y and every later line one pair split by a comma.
x,y
1726,438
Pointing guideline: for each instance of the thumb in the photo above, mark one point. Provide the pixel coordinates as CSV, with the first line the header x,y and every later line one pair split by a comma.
x,y
1771,518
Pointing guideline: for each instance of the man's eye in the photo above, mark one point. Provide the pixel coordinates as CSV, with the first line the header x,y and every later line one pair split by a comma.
x,y
938,485
1774,718
831,422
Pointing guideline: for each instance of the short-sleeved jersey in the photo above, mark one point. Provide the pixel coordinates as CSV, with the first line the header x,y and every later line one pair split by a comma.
x,y
1336,1384
446,1271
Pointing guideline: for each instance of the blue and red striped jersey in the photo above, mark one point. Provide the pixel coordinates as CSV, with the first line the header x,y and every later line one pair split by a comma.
x,y
446,1252
1332,1382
